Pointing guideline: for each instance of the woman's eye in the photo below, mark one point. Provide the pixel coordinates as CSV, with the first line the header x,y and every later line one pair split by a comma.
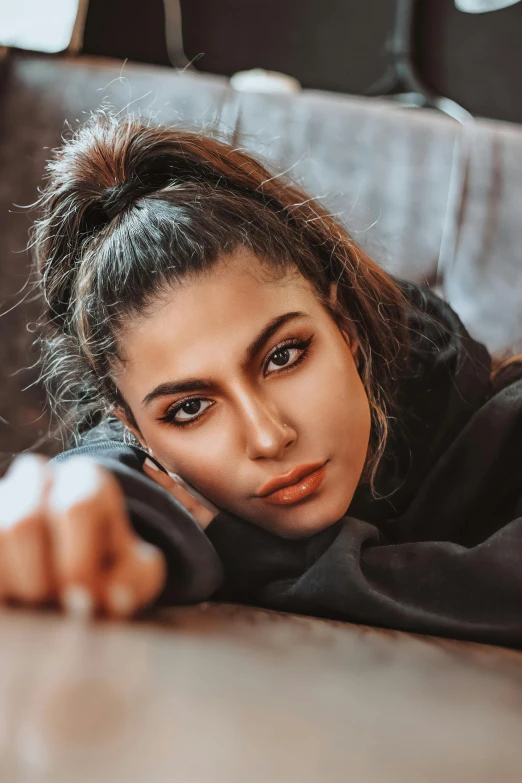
x,y
282,355
190,410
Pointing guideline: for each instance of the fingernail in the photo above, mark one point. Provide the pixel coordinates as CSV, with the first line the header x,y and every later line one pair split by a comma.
x,y
78,601
75,480
150,464
121,599
146,551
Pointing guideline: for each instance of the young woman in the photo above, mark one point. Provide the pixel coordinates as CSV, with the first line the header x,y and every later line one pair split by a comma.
x,y
258,412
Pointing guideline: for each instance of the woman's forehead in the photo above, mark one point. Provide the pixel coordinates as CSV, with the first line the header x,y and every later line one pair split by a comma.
x,y
233,290
229,306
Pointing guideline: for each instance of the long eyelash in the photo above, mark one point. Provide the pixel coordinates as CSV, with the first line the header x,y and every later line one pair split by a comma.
x,y
304,345
291,343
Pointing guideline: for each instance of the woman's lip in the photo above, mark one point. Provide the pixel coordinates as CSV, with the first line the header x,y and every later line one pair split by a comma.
x,y
299,490
290,478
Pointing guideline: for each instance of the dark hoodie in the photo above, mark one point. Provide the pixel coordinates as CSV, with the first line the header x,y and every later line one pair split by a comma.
x,y
439,553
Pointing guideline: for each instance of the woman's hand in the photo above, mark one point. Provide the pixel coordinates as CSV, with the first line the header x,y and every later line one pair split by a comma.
x,y
203,514
65,537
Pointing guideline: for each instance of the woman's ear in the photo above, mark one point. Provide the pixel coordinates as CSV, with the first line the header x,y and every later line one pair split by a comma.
x,y
120,414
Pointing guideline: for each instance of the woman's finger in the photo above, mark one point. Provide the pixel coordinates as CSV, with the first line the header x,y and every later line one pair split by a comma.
x,y
136,579
165,481
138,570
82,545
25,559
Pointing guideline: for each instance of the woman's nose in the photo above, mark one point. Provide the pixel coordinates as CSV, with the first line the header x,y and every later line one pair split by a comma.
x,y
267,435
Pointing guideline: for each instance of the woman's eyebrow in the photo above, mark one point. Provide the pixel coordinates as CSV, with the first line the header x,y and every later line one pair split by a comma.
x,y
199,384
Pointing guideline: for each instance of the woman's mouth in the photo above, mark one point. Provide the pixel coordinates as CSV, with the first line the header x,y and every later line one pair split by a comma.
x,y
301,489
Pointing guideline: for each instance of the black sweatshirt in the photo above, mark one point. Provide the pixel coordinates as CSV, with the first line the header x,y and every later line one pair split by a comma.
x,y
440,553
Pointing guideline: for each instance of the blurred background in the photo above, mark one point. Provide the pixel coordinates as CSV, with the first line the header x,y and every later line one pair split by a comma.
x,y
402,116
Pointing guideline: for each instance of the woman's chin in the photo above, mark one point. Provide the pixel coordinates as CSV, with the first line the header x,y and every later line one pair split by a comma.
x,y
305,526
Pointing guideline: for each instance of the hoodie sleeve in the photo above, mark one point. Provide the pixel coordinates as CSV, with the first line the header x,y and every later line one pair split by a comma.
x,y
194,570
435,587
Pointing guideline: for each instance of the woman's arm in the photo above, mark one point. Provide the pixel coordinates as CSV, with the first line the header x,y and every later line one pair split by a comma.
x,y
351,572
436,587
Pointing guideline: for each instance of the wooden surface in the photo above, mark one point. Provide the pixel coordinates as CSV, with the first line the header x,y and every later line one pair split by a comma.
x,y
220,693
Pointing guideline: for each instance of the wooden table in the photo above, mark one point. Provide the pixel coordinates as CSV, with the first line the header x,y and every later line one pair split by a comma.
x,y
222,694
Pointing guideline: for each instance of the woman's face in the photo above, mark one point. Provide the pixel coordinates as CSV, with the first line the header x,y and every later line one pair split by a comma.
x,y
236,439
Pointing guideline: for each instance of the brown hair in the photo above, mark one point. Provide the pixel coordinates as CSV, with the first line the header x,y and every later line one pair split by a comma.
x,y
130,207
